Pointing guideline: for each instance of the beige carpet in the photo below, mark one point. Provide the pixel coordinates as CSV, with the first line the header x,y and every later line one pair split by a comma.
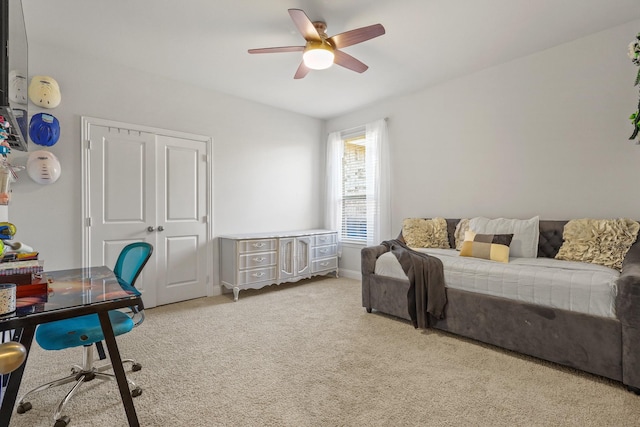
x,y
307,354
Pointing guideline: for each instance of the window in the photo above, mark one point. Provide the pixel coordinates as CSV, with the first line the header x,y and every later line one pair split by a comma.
x,y
357,191
354,189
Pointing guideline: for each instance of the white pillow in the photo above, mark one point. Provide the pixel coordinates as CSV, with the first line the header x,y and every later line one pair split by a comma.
x,y
526,233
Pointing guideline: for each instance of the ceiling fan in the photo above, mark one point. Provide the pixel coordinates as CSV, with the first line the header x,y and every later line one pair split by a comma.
x,y
321,51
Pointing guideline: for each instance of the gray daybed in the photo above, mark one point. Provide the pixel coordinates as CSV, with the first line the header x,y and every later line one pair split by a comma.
x,y
606,346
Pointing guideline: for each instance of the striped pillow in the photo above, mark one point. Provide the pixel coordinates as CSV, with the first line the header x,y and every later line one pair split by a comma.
x,y
494,247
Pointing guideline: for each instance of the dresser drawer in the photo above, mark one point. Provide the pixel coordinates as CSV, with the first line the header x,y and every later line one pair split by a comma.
x,y
262,245
255,260
257,275
324,264
324,251
325,239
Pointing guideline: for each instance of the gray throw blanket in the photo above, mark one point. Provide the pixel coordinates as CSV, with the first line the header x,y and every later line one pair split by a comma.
x,y
426,293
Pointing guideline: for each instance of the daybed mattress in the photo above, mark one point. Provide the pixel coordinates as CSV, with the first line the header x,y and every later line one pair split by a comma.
x,y
575,286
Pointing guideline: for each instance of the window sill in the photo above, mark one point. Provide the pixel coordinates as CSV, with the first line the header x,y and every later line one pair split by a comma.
x,y
353,244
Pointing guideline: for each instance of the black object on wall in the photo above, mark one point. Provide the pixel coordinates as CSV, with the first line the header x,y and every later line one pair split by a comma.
x,y
14,72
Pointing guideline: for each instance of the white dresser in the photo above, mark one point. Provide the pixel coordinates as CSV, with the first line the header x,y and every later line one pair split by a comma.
x,y
257,260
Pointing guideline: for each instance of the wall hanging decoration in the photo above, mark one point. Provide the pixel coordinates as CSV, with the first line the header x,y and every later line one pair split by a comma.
x,y
7,170
17,87
44,92
43,167
7,176
634,54
4,133
44,129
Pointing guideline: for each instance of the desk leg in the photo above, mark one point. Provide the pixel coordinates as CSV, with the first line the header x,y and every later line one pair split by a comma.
x,y
116,363
15,378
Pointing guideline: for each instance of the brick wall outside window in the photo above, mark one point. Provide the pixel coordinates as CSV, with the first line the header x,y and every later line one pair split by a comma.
x,y
354,208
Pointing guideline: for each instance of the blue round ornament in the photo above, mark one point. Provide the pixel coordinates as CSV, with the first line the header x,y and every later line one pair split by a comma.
x,y
44,129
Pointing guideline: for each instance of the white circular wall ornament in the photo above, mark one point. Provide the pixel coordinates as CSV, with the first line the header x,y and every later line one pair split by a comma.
x,y
17,87
43,167
44,91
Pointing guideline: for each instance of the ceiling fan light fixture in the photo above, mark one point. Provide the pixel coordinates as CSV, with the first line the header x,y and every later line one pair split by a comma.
x,y
318,55
321,51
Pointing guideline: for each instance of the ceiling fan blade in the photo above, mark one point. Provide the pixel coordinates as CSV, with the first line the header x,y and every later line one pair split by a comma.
x,y
277,49
358,35
304,25
347,61
302,71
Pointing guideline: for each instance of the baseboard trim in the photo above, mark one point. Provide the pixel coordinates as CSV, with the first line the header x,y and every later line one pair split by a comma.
x,y
350,274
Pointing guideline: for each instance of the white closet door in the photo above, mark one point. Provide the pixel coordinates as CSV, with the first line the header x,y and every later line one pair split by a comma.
x,y
181,214
122,199
147,187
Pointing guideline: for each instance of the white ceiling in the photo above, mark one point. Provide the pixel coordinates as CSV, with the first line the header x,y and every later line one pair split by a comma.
x,y
205,42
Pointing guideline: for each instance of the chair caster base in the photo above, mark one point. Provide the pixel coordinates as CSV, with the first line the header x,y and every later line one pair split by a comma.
x,y
62,422
136,392
87,375
136,367
24,407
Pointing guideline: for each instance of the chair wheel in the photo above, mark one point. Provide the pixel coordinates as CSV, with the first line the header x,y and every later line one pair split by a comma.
x,y
23,407
136,392
62,422
136,367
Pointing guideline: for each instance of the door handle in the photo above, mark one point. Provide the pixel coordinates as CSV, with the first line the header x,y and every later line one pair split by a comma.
x,y
160,228
150,229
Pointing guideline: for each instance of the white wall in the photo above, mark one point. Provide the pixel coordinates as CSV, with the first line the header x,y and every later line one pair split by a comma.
x,y
542,135
267,162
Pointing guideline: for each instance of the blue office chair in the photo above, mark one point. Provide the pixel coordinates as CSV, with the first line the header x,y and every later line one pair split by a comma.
x,y
86,331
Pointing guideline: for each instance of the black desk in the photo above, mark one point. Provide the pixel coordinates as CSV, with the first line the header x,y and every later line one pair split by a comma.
x,y
72,293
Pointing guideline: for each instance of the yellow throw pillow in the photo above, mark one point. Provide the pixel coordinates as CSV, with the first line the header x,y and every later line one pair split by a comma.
x,y
425,233
494,247
598,241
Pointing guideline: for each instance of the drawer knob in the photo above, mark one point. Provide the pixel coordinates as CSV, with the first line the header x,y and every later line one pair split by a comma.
x,y
258,245
258,274
259,259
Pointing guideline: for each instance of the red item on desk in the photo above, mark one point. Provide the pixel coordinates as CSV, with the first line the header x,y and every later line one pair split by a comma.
x,y
18,279
38,286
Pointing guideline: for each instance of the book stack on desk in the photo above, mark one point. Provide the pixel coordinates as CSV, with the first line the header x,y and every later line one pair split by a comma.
x,y
24,271
18,256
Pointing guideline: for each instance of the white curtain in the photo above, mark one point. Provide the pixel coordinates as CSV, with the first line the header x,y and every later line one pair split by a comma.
x,y
378,182
333,185
378,177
